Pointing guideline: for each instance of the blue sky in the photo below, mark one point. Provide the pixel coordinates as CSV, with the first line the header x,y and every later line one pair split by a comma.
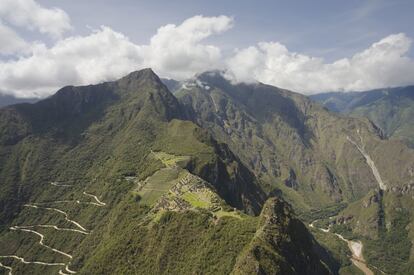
x,y
306,46
326,28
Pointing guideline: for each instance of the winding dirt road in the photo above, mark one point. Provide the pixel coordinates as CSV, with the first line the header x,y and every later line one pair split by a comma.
x,y
53,227
29,229
58,184
24,261
42,237
98,202
61,212
68,201
7,267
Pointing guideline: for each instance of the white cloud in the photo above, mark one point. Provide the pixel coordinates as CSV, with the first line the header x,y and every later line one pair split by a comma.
x,y
10,41
175,51
100,56
383,64
178,51
29,14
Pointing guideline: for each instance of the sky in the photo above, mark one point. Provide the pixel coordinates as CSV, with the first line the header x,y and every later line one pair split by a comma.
x,y
305,46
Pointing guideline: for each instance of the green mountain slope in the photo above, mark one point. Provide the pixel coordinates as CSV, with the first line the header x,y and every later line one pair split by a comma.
x,y
321,162
293,145
381,219
391,109
278,244
114,178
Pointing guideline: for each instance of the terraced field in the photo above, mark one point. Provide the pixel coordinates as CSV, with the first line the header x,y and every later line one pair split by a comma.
x,y
174,188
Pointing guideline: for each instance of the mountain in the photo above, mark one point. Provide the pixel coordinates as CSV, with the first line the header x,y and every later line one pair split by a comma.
x,y
295,146
391,109
324,164
6,100
172,84
118,178
202,176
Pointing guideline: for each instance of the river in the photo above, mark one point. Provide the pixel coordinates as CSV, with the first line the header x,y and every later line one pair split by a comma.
x,y
355,247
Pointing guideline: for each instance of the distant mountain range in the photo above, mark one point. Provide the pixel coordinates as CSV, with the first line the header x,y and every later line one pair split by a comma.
x,y
391,109
10,100
203,176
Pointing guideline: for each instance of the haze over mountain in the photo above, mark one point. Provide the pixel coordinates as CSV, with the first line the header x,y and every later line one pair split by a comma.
x,y
391,109
10,100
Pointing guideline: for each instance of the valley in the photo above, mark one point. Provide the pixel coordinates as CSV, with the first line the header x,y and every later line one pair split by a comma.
x,y
357,258
227,174
355,247
206,137
391,109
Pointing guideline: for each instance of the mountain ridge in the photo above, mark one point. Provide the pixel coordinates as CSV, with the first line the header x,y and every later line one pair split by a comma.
x,y
116,158
260,105
209,168
390,109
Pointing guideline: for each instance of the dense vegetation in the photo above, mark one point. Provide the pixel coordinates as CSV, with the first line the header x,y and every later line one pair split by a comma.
x,y
131,186
391,251
178,243
137,180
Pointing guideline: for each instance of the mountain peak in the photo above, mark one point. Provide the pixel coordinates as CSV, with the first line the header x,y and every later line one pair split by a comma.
x,y
211,73
146,73
143,80
214,77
